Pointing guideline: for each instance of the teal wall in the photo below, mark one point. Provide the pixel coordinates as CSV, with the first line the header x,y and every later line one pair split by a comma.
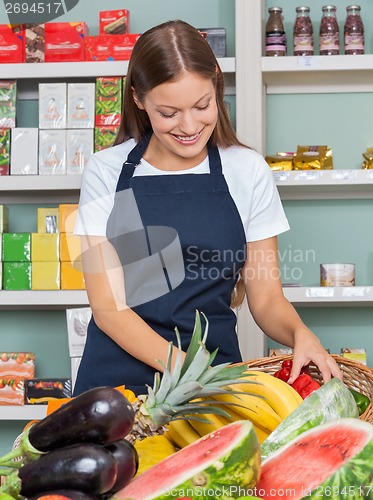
x,y
45,332
327,230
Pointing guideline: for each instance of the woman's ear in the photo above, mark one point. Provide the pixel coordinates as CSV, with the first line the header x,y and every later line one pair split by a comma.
x,y
136,99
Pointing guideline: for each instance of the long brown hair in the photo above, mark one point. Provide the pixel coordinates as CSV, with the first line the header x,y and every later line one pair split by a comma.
x,y
162,54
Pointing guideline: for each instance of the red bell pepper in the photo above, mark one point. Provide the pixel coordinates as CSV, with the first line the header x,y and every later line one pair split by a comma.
x,y
305,385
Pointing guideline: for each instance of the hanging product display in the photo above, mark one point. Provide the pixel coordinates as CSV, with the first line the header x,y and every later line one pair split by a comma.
x,y
329,32
353,31
275,33
303,33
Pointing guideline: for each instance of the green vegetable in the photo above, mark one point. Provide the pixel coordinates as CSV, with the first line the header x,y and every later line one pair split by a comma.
x,y
362,401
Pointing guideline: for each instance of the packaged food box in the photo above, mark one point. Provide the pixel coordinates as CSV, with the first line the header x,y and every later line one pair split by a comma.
x,y
41,390
4,151
12,391
356,354
108,100
52,105
313,158
81,105
79,149
48,220
45,276
72,277
24,151
16,275
68,214
65,41
70,248
217,39
75,363
17,364
105,136
52,152
8,103
16,247
280,161
34,41
114,22
4,221
368,159
77,324
12,48
110,48
45,247
280,351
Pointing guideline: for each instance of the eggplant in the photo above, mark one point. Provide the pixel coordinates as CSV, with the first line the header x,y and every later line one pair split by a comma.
x,y
64,495
127,460
101,415
89,468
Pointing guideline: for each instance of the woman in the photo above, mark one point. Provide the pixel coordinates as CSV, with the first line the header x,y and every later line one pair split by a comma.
x,y
176,217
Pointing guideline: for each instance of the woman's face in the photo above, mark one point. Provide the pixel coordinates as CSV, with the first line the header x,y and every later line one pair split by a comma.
x,y
183,115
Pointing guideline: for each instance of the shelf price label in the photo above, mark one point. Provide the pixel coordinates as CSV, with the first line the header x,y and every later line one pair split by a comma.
x,y
307,61
308,175
344,175
281,176
319,292
355,291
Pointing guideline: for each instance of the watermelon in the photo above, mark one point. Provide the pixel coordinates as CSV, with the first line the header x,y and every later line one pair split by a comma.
x,y
222,464
333,460
332,401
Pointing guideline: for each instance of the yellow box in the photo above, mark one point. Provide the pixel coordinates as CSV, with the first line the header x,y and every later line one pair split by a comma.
x,y
45,276
48,220
72,277
45,247
68,214
70,248
4,219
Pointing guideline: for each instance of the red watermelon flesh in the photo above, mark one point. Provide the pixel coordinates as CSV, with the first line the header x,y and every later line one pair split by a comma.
x,y
228,457
326,458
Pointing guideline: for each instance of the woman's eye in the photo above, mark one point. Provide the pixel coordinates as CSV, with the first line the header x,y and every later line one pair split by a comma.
x,y
163,115
201,108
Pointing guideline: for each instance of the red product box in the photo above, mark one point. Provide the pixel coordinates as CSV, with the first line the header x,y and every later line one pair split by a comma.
x,y
12,48
109,47
65,41
114,22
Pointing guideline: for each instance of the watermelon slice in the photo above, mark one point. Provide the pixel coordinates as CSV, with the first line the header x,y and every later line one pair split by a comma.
x,y
333,460
222,464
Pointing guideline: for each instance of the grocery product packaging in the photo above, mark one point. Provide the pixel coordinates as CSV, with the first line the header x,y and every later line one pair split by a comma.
x,y
16,247
337,274
64,42
12,48
1,269
24,151
34,41
72,277
105,136
280,351
75,362
70,248
68,213
4,151
16,275
45,276
356,354
41,390
12,391
114,22
4,221
77,325
110,48
368,159
313,158
8,103
17,364
48,220
81,105
79,148
217,39
280,161
52,105
108,100
45,247
52,152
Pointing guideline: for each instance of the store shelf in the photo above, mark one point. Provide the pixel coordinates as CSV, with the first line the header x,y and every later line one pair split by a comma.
x,y
318,74
42,299
37,188
26,412
324,184
353,296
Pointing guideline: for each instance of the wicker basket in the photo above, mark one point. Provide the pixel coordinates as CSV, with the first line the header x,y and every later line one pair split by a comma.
x,y
355,375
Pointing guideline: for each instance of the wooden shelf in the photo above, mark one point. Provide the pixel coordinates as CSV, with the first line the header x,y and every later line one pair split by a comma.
x,y
42,299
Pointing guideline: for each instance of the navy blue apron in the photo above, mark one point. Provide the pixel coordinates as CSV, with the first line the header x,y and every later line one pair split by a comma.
x,y
199,209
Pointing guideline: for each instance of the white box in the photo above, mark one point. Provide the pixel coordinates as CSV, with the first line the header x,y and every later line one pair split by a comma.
x,y
75,362
81,105
79,148
24,151
52,152
77,324
52,105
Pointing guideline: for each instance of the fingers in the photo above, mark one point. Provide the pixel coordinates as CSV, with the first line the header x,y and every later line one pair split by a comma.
x,y
295,370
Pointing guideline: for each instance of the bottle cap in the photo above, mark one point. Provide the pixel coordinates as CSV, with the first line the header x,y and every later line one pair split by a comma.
x,y
274,9
302,9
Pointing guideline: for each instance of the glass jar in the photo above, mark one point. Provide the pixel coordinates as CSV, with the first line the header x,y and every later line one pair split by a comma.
x,y
353,31
303,33
275,33
329,32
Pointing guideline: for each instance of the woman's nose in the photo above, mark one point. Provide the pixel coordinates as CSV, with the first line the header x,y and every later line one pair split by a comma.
x,y
188,124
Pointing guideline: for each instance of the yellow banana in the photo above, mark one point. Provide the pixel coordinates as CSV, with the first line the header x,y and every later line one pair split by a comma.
x,y
181,433
152,450
215,423
277,393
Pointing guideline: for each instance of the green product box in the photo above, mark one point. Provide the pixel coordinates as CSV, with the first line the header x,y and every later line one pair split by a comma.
x,y
4,219
4,151
108,101
16,247
105,137
8,102
16,275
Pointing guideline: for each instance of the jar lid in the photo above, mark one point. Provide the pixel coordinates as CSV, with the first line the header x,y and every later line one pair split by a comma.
x,y
302,9
275,9
329,7
353,7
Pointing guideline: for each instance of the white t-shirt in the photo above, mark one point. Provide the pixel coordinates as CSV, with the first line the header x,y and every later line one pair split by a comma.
x,y
249,179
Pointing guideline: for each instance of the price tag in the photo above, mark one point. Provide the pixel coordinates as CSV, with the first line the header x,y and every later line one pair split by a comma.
x,y
307,61
308,175
344,175
320,292
369,174
281,176
354,291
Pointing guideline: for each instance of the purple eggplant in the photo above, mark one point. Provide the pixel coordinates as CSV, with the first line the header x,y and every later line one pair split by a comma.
x,y
89,468
64,494
101,415
127,460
